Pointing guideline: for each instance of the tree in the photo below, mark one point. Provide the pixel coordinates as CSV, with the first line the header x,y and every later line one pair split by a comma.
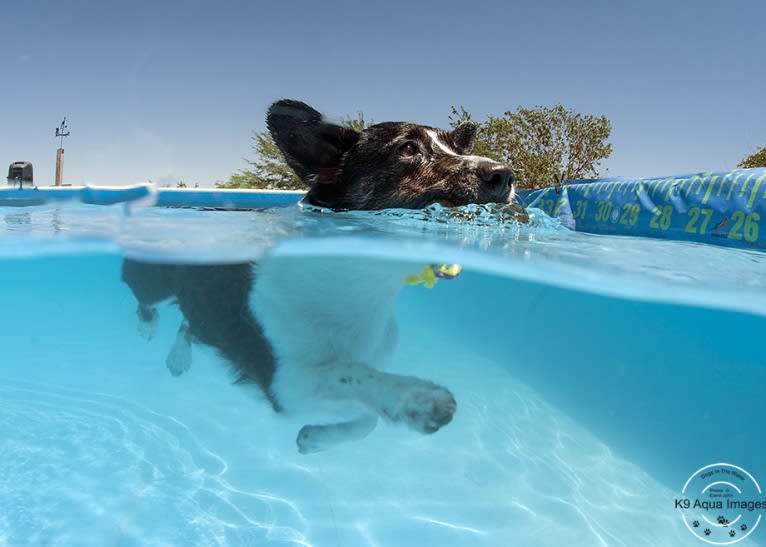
x,y
544,145
269,171
358,123
756,159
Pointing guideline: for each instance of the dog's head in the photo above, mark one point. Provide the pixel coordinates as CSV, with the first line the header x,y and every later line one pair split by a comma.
x,y
392,164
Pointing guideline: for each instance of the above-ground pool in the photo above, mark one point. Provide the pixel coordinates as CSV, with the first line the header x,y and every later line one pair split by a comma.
x,y
600,381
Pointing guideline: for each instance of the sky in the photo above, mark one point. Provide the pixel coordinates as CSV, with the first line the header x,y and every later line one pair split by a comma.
x,y
171,91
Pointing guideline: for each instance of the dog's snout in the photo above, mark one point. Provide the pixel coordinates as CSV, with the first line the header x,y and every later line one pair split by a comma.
x,y
498,178
501,177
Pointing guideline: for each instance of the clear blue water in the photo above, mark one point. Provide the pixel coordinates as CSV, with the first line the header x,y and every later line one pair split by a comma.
x,y
593,375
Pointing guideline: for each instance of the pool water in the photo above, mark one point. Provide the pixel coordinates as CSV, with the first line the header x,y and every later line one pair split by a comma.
x,y
593,376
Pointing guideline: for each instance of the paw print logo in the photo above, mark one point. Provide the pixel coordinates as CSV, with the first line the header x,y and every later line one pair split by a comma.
x,y
718,526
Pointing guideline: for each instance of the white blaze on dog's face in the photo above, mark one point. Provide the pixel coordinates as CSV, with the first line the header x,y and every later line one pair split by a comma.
x,y
388,165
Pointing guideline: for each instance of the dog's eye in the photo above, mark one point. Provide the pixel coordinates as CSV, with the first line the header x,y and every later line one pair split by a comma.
x,y
409,149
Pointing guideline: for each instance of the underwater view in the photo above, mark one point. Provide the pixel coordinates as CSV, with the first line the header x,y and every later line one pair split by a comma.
x,y
593,376
383,274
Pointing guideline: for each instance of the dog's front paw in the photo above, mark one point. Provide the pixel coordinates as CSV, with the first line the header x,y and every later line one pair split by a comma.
x,y
423,406
147,322
179,359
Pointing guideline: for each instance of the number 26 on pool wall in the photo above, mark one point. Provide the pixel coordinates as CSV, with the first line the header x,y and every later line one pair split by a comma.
x,y
661,217
744,226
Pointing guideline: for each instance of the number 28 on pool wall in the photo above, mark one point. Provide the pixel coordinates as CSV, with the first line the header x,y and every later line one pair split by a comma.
x,y
662,217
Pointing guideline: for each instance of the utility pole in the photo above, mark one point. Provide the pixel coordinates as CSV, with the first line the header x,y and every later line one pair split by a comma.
x,y
61,132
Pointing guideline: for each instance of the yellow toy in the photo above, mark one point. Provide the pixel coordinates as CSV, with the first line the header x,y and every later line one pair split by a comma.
x,y
432,273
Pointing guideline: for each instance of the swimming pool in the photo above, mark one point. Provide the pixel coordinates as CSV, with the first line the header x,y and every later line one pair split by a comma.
x,y
594,375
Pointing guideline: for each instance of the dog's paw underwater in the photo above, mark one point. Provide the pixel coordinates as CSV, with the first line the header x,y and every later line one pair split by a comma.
x,y
422,406
316,438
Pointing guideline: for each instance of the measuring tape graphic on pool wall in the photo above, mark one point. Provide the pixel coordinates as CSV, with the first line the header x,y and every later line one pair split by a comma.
x,y
722,208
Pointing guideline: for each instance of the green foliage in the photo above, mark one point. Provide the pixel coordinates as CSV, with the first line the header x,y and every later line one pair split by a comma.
x,y
358,123
544,145
756,159
269,171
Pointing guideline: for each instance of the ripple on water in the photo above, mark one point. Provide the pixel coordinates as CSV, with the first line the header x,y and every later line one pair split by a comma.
x,y
91,469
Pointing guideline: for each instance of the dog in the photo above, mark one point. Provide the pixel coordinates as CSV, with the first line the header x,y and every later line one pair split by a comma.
x,y
316,341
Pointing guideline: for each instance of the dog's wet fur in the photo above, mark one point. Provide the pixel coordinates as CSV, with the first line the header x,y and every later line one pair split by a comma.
x,y
260,324
392,164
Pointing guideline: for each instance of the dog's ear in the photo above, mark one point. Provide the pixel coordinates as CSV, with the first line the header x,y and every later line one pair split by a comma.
x,y
313,148
464,137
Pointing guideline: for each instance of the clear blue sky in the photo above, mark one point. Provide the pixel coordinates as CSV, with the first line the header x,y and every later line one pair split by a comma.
x,y
170,90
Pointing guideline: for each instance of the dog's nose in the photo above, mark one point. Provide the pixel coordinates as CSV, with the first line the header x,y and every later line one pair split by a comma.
x,y
498,179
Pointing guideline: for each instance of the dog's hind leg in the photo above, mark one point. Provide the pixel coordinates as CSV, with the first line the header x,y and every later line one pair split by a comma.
x,y
315,438
179,359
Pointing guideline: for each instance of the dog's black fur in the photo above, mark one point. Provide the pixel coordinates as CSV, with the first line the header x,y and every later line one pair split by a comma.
x,y
214,302
393,164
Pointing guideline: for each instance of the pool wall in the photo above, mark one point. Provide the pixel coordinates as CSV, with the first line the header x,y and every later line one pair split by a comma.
x,y
148,194
723,208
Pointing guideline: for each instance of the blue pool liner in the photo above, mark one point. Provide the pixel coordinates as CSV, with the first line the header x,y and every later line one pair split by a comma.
x,y
723,208
148,194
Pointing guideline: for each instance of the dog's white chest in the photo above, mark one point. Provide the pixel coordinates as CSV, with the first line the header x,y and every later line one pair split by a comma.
x,y
320,311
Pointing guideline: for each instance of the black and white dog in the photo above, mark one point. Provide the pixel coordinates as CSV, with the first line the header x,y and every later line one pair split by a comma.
x,y
316,340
